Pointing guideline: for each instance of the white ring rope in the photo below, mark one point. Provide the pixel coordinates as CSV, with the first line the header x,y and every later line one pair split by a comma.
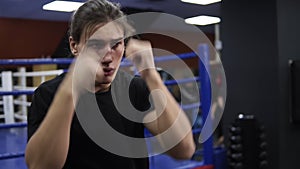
x,y
9,102
24,88
38,73
22,103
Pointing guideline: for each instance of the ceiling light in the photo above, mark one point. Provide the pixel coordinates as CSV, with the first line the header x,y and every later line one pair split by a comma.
x,y
201,2
203,20
62,6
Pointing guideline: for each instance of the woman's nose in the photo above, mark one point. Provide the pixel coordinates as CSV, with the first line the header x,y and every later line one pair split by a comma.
x,y
108,58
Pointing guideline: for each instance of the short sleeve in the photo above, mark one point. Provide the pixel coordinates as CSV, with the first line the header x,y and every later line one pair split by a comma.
x,y
139,94
41,101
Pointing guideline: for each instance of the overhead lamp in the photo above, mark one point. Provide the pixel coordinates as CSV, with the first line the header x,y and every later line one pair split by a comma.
x,y
201,2
62,6
202,20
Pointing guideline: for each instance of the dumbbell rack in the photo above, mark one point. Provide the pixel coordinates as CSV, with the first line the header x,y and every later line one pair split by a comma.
x,y
247,147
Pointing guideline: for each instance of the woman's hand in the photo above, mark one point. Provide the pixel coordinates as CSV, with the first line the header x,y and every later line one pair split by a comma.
x,y
82,73
140,53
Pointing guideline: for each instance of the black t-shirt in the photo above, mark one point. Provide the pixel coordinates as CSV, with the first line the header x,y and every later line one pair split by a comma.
x,y
84,153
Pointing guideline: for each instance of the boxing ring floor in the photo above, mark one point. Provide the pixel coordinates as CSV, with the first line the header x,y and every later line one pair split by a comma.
x,y
10,137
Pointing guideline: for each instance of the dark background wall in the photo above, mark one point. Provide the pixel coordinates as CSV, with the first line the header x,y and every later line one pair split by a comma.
x,y
21,38
258,39
288,42
24,38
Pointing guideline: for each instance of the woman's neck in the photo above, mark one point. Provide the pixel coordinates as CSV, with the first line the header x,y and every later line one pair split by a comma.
x,y
102,87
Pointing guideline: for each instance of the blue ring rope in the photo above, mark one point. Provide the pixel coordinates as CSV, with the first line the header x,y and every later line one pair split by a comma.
x,y
179,81
35,61
29,92
16,92
70,60
13,125
11,155
191,106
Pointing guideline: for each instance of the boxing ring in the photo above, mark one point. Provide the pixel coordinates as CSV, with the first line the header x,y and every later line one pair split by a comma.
x,y
14,104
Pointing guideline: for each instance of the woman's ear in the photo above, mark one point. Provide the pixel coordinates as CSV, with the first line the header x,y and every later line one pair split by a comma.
x,y
73,46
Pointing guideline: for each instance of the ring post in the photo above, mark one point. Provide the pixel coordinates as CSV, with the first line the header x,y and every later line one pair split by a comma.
x,y
8,105
205,97
23,98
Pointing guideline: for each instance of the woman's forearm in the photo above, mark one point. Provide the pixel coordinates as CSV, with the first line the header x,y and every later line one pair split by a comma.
x,y
172,116
48,147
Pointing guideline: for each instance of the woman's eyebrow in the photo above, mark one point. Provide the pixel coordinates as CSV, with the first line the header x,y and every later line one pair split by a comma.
x,y
117,39
103,41
95,41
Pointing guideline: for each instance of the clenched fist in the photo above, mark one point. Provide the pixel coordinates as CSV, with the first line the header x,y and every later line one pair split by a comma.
x,y
140,53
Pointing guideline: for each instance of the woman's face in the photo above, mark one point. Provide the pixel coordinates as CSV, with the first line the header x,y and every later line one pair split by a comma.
x,y
105,47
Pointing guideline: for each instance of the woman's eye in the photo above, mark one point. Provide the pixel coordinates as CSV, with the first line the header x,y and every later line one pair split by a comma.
x,y
95,45
115,45
98,45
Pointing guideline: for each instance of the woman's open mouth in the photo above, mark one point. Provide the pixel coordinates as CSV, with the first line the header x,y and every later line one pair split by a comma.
x,y
108,71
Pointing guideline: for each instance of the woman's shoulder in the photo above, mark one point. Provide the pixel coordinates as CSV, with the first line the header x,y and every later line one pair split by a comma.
x,y
50,86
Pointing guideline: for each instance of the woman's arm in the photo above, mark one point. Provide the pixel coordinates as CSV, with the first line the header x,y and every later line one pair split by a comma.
x,y
48,146
167,111
172,119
